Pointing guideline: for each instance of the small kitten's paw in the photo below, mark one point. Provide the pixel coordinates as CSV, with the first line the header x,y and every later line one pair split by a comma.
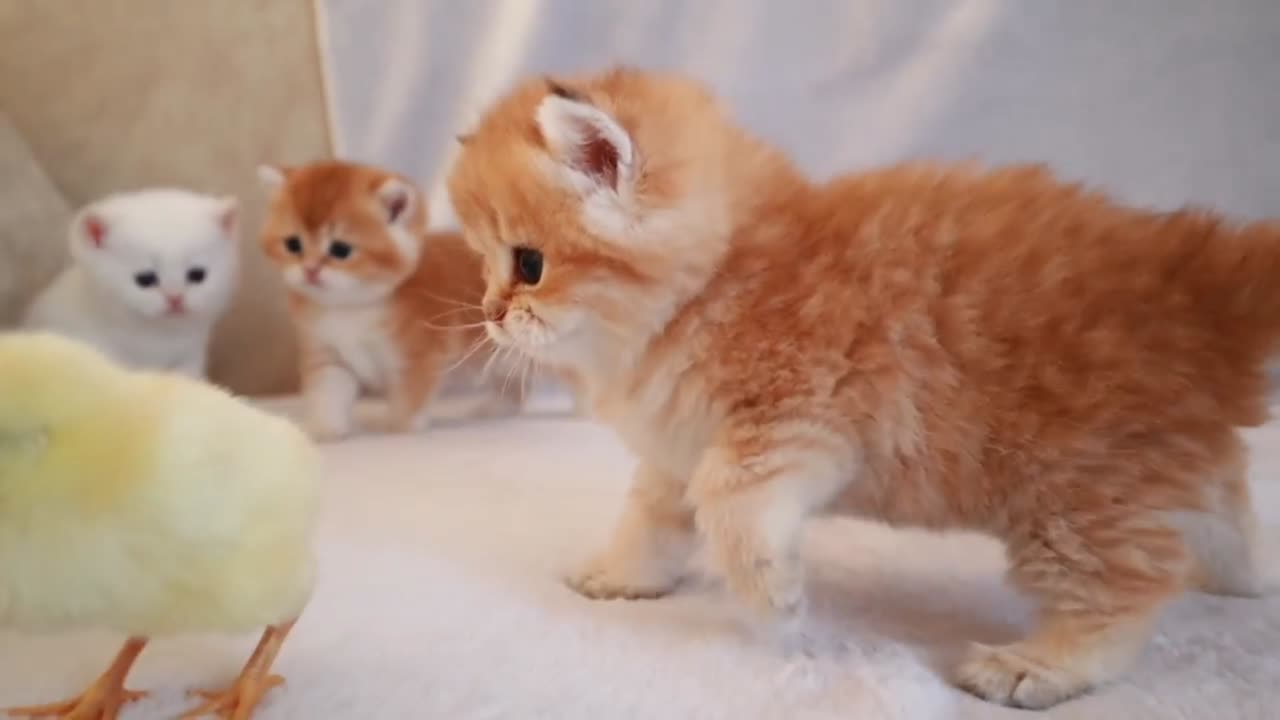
x,y
798,637
605,579
327,431
498,406
1006,676
392,422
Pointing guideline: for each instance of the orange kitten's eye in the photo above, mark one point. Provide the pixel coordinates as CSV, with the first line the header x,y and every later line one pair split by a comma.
x,y
340,250
293,244
528,264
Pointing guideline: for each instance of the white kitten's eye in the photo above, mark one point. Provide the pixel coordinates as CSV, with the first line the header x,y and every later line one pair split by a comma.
x,y
146,279
196,275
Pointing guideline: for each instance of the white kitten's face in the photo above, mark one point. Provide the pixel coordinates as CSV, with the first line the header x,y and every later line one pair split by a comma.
x,y
163,253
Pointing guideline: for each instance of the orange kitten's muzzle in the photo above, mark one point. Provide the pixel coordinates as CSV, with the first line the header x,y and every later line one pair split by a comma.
x,y
494,310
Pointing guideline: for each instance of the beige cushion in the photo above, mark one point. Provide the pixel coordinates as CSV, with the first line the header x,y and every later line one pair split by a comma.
x,y
121,94
33,222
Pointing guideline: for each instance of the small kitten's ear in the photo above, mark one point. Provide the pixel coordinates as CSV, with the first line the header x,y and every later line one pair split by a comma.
x,y
271,176
228,214
93,228
585,138
397,198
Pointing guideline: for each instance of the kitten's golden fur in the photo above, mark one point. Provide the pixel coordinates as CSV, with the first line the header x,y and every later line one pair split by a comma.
x,y
390,316
948,347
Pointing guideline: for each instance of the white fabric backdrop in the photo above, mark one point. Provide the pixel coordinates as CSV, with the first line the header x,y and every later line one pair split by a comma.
x,y
1163,101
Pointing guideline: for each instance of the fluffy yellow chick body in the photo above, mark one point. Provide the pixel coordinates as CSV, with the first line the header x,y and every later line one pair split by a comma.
x,y
146,503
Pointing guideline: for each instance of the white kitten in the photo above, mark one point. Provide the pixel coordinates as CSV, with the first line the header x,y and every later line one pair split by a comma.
x,y
152,271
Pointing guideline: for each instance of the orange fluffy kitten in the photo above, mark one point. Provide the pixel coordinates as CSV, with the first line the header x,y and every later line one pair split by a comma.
x,y
935,346
380,304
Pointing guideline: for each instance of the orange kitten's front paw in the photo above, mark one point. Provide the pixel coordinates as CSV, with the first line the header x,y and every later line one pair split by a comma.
x,y
1008,676
327,431
606,579
498,406
396,422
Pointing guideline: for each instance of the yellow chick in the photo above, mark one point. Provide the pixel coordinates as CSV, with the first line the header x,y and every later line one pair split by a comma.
x,y
149,504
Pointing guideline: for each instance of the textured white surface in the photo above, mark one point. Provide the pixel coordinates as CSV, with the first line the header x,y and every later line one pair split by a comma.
x,y
439,597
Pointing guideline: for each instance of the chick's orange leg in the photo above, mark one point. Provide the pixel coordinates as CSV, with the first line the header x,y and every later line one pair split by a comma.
x,y
238,701
103,699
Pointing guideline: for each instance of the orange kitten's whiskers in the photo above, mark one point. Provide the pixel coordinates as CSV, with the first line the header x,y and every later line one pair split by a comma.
x,y
498,357
456,311
457,304
520,366
459,326
528,375
476,346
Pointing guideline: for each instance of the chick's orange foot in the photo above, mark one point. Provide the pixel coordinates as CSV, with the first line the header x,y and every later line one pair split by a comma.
x,y
103,700
237,701
240,700
89,706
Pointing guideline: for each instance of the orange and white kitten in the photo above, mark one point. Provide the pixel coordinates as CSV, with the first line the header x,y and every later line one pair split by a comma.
x,y
380,305
947,347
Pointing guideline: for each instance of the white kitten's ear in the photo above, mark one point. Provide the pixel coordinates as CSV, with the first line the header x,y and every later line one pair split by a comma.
x,y
397,198
585,138
91,227
271,176
228,214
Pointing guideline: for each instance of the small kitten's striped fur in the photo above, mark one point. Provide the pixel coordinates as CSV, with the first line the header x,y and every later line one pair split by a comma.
x,y
948,347
380,305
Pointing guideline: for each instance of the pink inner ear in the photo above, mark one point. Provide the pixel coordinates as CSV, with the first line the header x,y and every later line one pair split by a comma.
x,y
96,229
597,156
396,205
227,218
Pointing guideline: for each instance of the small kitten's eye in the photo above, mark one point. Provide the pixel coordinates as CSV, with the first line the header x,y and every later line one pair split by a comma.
x,y
293,244
528,265
340,250
195,276
146,279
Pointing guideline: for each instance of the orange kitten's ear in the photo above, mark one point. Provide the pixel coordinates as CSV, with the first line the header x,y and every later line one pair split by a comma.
x,y
397,198
228,214
272,176
585,139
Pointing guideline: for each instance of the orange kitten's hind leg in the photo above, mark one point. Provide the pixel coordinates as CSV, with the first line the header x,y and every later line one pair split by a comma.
x,y
1101,576
1067,655
1223,538
651,544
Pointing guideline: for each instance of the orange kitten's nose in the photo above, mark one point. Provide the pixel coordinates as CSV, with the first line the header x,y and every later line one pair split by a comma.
x,y
313,274
495,310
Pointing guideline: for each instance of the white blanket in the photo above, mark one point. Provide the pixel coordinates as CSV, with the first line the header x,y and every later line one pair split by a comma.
x,y
440,597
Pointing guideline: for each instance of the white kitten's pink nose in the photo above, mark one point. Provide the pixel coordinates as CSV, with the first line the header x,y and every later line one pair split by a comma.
x,y
176,303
